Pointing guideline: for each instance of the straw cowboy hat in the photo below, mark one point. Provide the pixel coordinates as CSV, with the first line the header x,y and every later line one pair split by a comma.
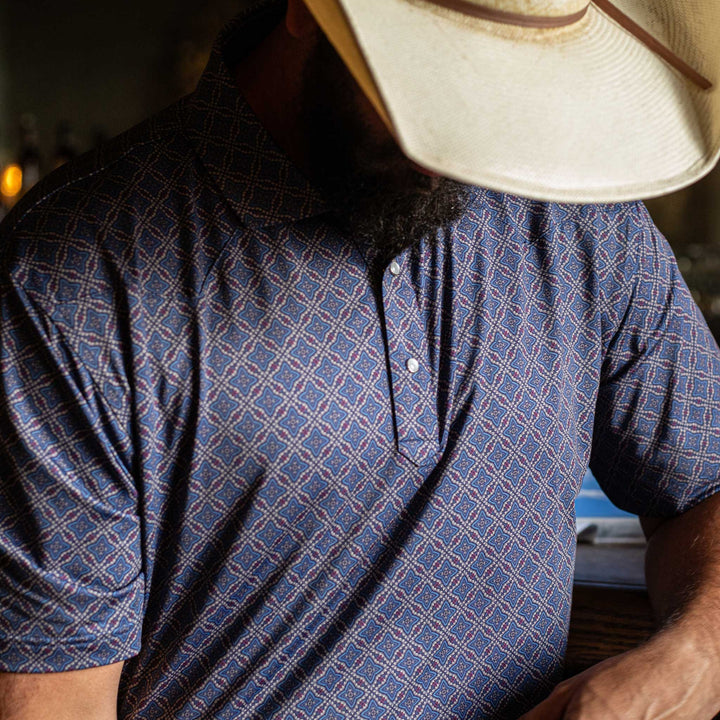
x,y
567,100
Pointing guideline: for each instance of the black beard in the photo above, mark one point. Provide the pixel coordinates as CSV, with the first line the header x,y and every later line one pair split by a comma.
x,y
374,192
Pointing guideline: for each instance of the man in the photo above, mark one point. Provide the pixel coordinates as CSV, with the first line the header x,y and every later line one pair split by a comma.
x,y
292,425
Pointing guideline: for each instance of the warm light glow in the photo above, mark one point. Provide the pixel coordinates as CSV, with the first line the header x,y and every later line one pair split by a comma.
x,y
11,181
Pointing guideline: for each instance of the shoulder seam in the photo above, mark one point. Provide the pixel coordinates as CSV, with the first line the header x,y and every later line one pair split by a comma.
x,y
134,143
69,183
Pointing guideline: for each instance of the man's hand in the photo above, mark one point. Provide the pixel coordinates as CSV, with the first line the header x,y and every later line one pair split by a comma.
x,y
78,695
676,674
668,678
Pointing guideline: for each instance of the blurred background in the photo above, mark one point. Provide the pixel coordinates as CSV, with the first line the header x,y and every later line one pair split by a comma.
x,y
75,72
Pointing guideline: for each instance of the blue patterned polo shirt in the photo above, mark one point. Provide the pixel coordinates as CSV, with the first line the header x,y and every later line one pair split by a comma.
x,y
277,493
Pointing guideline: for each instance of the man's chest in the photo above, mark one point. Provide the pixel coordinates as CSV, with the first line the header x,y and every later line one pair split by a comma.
x,y
298,361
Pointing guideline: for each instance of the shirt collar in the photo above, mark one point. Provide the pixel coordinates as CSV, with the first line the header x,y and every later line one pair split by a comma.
x,y
255,176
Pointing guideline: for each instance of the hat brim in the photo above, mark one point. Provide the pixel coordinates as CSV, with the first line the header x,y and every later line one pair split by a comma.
x,y
584,113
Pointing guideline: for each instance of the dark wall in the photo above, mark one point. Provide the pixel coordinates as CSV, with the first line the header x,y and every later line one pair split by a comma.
x,y
3,98
98,64
690,219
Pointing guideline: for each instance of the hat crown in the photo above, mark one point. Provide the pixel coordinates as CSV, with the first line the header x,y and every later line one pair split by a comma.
x,y
534,8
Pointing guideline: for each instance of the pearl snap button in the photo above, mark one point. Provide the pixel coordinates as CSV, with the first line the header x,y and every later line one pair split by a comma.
x,y
412,365
394,268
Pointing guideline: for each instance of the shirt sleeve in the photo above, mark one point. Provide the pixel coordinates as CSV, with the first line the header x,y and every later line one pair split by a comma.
x,y
656,448
71,581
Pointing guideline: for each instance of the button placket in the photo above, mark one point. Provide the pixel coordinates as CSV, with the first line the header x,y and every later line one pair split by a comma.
x,y
413,388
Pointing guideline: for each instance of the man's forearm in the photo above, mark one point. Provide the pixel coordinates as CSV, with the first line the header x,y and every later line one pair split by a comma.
x,y
683,577
88,694
676,674
683,567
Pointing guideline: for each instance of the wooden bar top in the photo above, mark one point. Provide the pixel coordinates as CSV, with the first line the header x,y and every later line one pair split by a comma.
x,y
611,611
